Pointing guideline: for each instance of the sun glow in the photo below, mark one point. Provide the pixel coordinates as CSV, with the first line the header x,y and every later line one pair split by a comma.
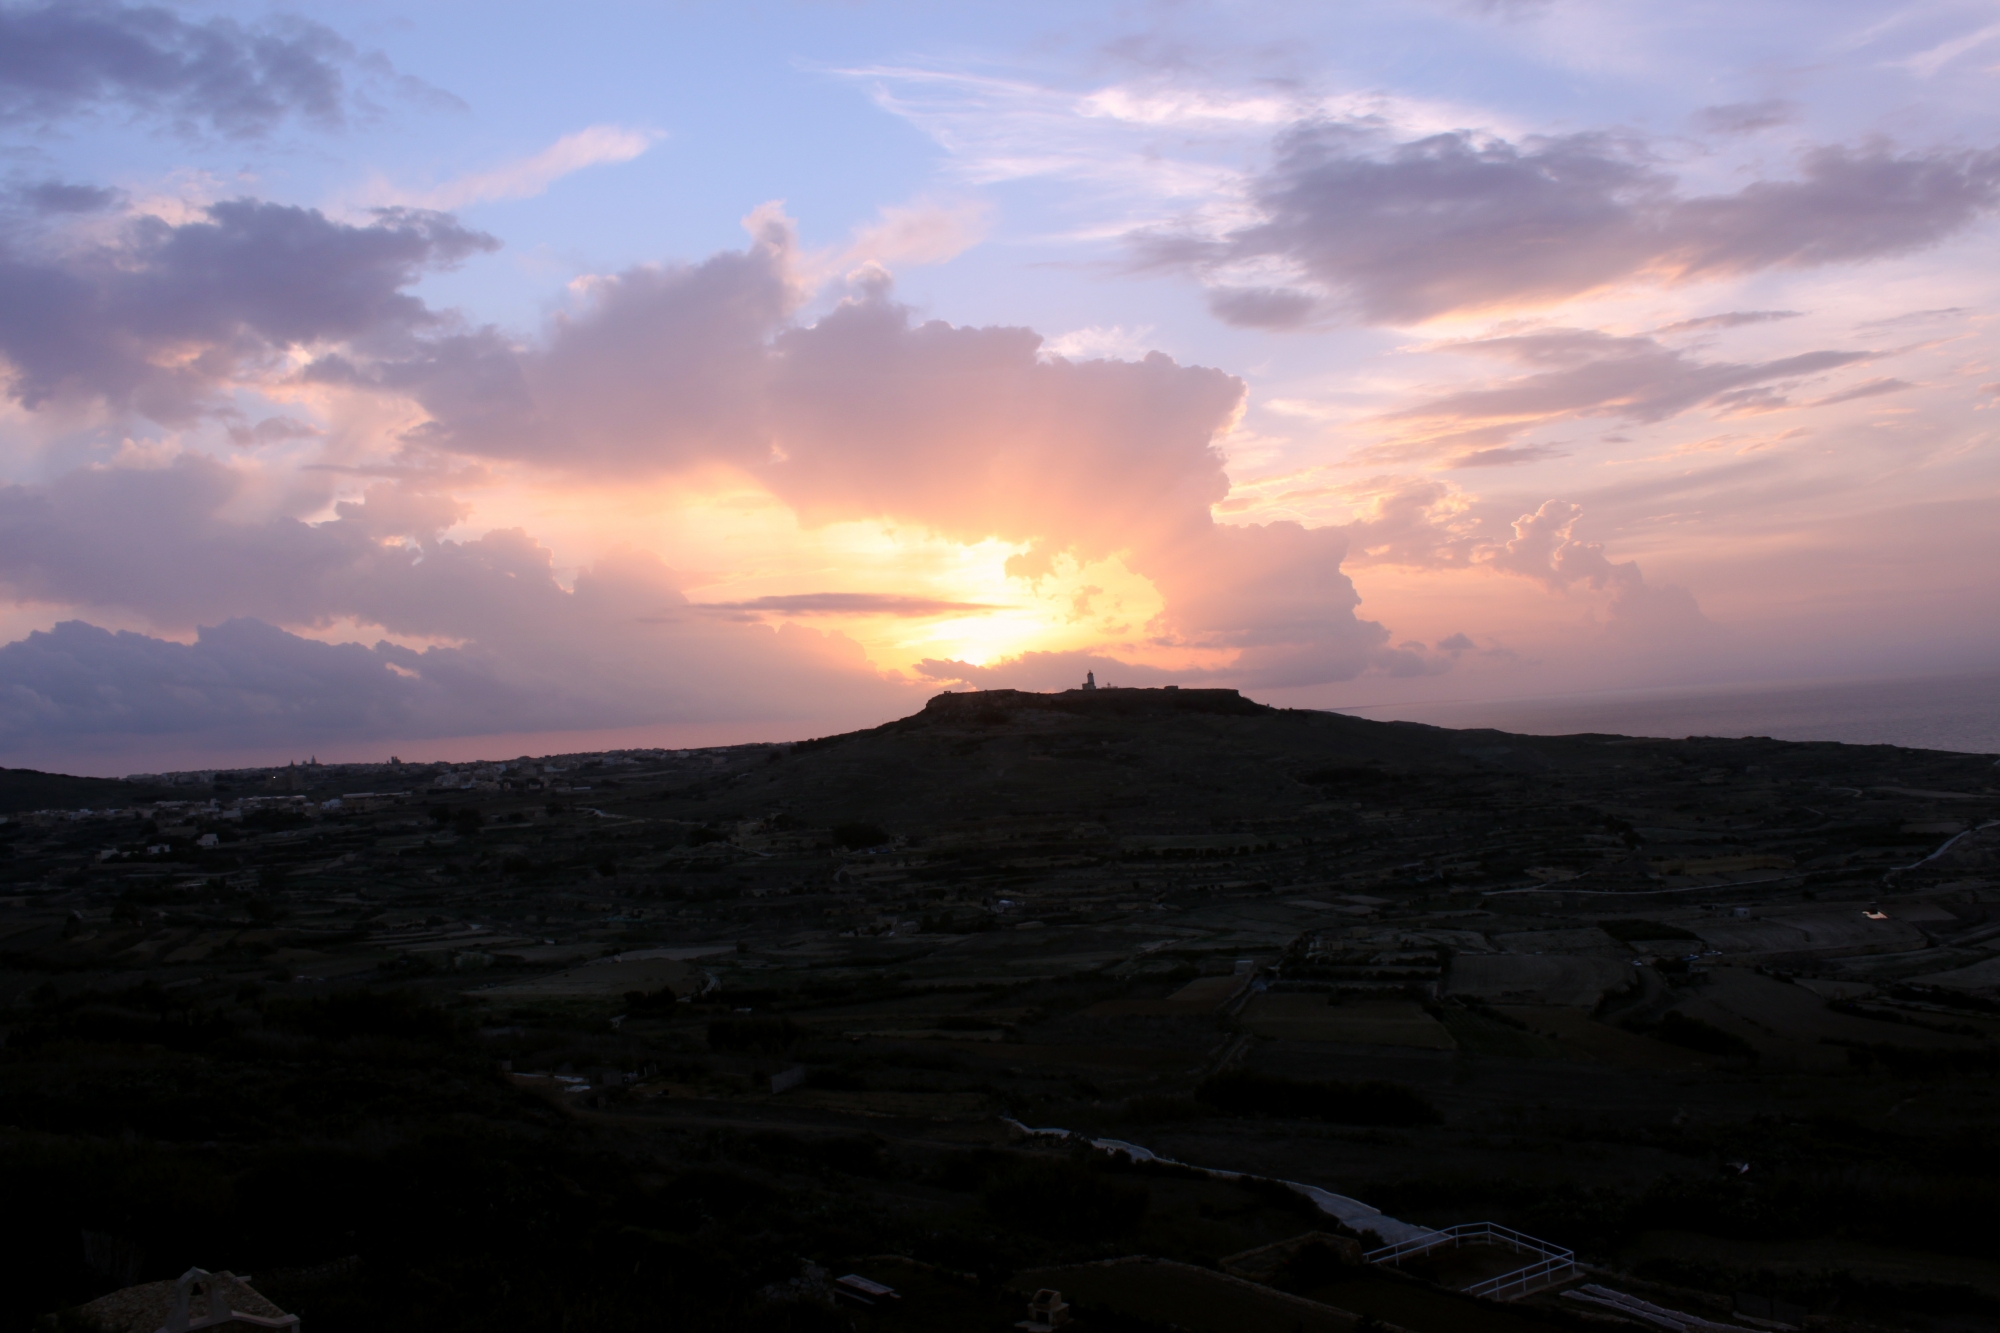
x,y
1095,605
1078,606
729,541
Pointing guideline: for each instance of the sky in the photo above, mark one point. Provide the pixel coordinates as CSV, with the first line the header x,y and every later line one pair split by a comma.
x,y
454,380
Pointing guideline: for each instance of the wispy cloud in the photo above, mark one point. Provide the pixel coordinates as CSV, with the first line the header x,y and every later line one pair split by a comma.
x,y
526,177
851,604
1929,62
1138,148
1872,389
1734,319
923,232
1746,117
1577,374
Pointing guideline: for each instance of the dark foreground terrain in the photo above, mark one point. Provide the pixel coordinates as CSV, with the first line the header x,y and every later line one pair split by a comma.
x,y
668,1039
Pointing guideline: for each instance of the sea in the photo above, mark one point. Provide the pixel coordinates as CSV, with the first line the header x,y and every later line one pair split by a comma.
x,y
1960,712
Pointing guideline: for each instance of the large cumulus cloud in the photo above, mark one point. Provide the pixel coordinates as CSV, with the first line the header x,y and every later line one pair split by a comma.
x,y
867,412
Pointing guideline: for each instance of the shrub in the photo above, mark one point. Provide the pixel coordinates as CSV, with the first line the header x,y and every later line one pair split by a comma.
x,y
968,1170
1345,777
713,1192
363,1013
1368,1102
855,836
1473,1004
1911,1062
645,1003
1314,1264
1155,1109
1064,1199
1276,1194
1632,929
752,1034
1677,1029
835,1080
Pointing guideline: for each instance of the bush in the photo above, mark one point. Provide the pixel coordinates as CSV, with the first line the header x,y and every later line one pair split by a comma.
x,y
1314,1264
857,836
1368,1102
363,1013
1062,1198
1677,1029
1911,1062
705,1192
1158,1110
835,1080
752,1034
1473,1004
848,1154
1632,929
1345,778
650,1003
968,1170
1277,1194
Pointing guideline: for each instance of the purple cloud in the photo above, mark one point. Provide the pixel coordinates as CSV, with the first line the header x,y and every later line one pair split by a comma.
x,y
157,320
850,604
1577,373
55,198
243,81
1734,319
620,646
1747,117
1465,222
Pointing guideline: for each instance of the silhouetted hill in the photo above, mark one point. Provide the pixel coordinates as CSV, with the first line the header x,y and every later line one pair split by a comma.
x,y
1147,760
30,789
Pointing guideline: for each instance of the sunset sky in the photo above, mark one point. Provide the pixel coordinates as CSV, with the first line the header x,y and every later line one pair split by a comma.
x,y
471,380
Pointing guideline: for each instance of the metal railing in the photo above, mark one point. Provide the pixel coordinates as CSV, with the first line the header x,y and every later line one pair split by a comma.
x,y
1521,1281
1415,1245
1554,1263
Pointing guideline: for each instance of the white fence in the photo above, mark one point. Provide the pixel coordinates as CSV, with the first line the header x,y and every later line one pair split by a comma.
x,y
1552,1264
